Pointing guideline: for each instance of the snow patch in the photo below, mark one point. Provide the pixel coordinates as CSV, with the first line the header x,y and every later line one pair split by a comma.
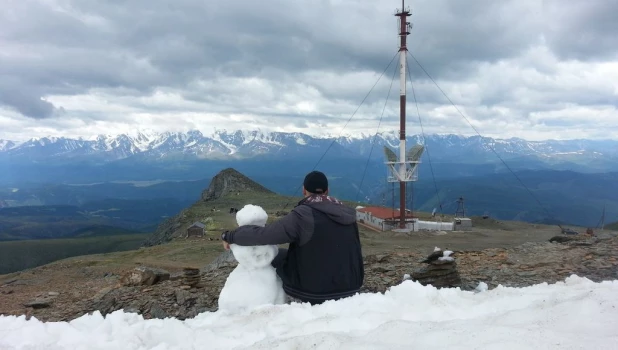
x,y
577,313
482,287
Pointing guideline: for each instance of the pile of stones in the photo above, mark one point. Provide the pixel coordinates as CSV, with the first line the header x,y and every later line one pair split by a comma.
x,y
440,272
191,276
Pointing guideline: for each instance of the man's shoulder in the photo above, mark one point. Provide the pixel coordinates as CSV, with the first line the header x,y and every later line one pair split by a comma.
x,y
302,209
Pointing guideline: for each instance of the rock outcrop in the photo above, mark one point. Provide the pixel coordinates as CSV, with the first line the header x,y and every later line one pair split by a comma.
x,y
144,276
232,182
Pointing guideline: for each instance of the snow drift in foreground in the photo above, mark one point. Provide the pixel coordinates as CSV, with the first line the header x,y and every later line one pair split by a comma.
x,y
576,313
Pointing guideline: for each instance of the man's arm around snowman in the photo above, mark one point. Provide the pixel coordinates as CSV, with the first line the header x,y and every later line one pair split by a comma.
x,y
297,226
324,260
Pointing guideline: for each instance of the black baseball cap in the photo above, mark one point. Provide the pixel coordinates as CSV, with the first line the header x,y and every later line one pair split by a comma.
x,y
316,182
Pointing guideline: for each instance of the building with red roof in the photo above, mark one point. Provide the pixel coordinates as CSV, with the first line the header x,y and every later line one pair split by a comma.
x,y
380,218
386,219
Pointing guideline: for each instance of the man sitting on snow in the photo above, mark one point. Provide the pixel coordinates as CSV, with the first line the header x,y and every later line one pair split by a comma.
x,y
324,260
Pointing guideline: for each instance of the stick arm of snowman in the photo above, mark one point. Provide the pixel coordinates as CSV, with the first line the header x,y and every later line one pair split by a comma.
x,y
296,226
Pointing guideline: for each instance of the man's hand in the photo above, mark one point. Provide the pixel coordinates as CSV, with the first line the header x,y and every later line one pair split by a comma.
x,y
226,245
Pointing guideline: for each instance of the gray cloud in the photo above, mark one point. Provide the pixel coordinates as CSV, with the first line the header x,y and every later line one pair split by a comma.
x,y
580,29
299,52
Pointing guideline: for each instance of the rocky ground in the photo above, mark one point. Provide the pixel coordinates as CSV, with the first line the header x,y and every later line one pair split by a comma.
x,y
157,293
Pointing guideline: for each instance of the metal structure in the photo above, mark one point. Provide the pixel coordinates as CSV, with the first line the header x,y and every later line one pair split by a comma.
x,y
404,168
461,210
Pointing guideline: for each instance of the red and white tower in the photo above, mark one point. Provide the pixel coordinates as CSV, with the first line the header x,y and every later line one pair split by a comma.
x,y
403,169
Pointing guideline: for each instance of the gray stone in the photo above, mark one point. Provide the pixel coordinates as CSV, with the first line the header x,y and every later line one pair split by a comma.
x,y
182,296
526,273
157,312
223,260
144,276
39,303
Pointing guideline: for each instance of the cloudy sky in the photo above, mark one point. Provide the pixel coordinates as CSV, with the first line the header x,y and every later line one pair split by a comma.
x,y
535,69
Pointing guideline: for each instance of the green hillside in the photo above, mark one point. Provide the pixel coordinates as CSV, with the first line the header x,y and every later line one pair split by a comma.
x,y
112,215
228,189
19,255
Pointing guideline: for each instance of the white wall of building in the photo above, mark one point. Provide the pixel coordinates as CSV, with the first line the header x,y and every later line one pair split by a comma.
x,y
433,226
370,220
417,225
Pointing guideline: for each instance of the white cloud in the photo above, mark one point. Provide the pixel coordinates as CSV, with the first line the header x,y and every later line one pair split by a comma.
x,y
514,68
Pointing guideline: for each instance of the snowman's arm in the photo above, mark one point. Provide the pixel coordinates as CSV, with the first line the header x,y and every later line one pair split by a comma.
x,y
297,226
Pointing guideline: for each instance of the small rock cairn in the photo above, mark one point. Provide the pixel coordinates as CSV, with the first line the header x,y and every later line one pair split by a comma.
x,y
191,276
440,272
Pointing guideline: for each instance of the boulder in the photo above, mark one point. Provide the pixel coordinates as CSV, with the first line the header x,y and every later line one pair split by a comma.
x,y
39,303
144,276
225,259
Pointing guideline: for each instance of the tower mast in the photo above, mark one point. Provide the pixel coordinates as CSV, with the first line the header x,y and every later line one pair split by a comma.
x,y
404,26
402,168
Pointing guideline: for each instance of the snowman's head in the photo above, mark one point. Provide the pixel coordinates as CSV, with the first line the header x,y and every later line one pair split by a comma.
x,y
251,215
253,256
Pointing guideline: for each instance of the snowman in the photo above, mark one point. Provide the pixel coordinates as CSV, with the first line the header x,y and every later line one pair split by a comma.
x,y
254,281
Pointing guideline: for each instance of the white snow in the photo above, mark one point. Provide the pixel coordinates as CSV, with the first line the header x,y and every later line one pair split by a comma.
x,y
436,249
573,314
482,287
254,282
251,215
446,256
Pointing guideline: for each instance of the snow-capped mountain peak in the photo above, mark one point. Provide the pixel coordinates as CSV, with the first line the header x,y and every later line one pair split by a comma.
x,y
250,143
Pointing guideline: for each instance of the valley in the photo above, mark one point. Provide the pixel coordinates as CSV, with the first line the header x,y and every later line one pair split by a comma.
x,y
136,181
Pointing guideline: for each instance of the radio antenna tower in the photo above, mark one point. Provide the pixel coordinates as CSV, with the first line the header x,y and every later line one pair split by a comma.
x,y
404,169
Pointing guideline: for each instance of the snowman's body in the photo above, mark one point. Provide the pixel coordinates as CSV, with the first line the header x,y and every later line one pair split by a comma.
x,y
254,281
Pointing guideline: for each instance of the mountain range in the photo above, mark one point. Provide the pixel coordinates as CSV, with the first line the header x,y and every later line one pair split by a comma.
x,y
250,144
150,166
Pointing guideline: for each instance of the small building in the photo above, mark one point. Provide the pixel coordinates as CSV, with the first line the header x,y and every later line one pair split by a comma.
x,y
386,219
196,230
463,224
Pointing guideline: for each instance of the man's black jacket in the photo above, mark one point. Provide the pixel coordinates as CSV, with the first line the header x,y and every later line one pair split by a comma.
x,y
324,259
